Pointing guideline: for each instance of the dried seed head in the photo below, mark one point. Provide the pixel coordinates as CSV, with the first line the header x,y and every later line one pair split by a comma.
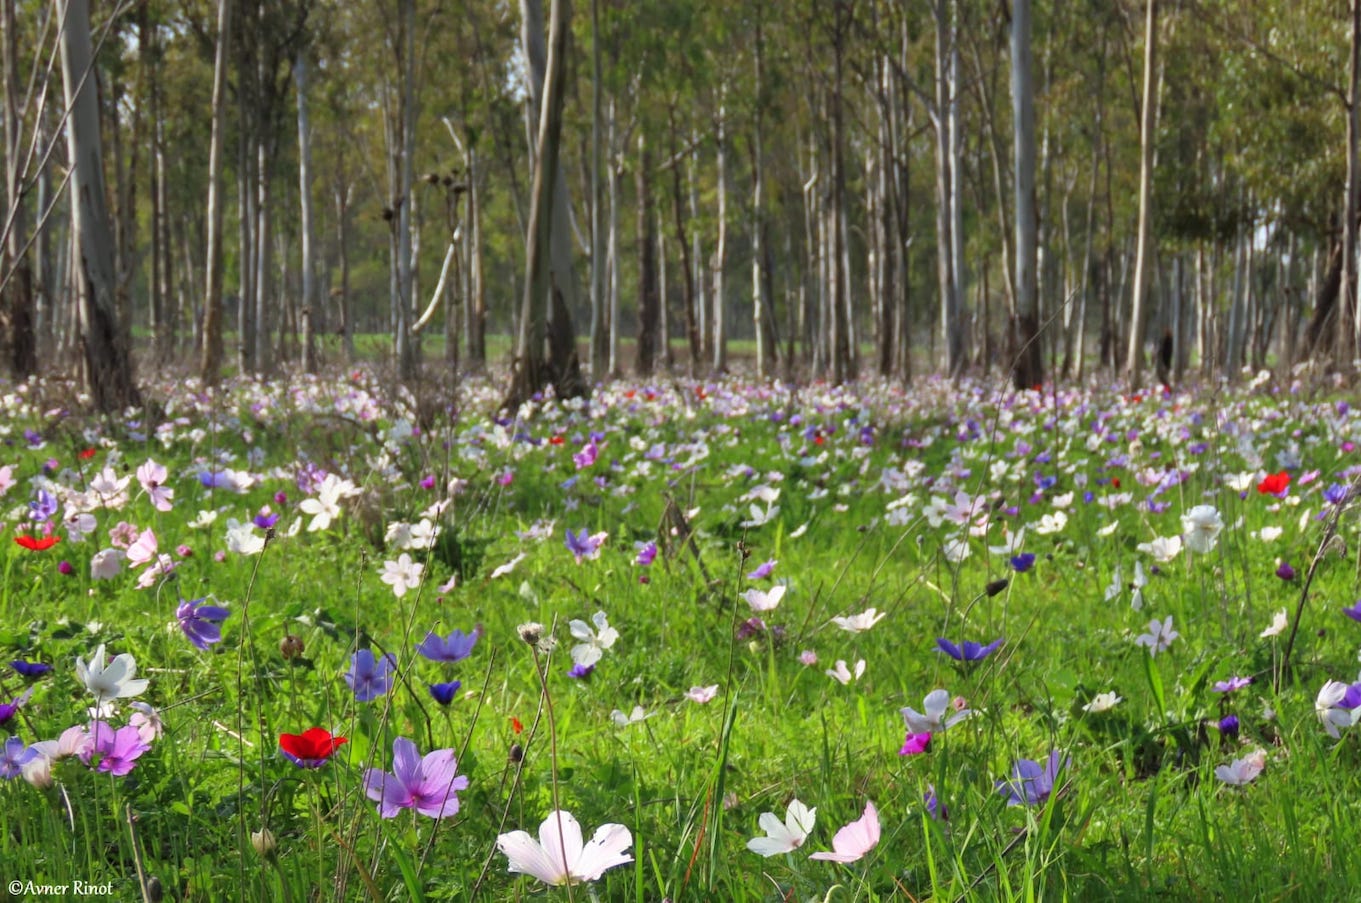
x,y
290,647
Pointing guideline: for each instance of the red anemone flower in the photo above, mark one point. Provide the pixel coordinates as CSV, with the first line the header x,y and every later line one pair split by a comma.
x,y
86,454
1274,484
311,748
515,725
34,544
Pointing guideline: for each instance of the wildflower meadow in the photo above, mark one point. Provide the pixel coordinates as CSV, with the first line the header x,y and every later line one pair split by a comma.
x,y
687,640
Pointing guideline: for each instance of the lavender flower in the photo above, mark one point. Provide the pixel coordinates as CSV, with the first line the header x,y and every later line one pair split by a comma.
x,y
368,677
1233,683
1354,612
763,570
429,785
455,648
200,622
1032,784
14,757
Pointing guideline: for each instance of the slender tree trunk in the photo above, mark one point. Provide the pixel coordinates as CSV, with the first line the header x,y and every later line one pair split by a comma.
x,y
951,313
477,293
599,342
758,300
648,302
403,348
678,206
310,309
1349,333
246,244
1143,262
264,251
1028,367
108,362
16,311
720,314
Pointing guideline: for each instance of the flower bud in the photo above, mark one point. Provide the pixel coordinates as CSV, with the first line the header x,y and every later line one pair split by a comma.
x,y
263,842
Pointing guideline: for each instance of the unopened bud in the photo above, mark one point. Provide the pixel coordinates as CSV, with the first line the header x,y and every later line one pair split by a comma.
x,y
263,842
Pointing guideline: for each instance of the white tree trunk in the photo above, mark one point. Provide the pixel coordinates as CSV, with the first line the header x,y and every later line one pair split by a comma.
x,y
310,307
107,367
1143,262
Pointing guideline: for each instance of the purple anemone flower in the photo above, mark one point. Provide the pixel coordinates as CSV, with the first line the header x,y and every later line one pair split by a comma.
x,y
580,671
1032,784
934,807
1023,562
969,651
1285,571
201,623
370,677
763,570
1228,727
582,545
429,785
118,750
1233,683
43,506
9,709
1354,612
455,648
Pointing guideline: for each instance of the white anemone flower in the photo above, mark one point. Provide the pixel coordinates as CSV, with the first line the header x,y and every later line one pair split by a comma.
x,y
1201,526
114,680
933,720
786,836
592,644
559,856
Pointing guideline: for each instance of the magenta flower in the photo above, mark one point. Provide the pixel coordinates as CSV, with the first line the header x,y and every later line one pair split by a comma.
x,y
915,744
429,785
118,750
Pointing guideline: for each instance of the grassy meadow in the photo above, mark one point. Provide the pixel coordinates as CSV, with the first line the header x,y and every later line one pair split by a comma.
x,y
672,610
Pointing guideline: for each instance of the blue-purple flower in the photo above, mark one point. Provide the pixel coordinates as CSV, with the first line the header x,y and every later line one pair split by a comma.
x,y
583,545
969,651
37,669
1228,727
370,677
14,756
429,785
201,623
455,648
1233,683
1031,784
444,693
1023,562
1354,612
43,506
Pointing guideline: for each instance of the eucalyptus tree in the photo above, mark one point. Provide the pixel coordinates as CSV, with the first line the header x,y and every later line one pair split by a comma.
x,y
107,360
